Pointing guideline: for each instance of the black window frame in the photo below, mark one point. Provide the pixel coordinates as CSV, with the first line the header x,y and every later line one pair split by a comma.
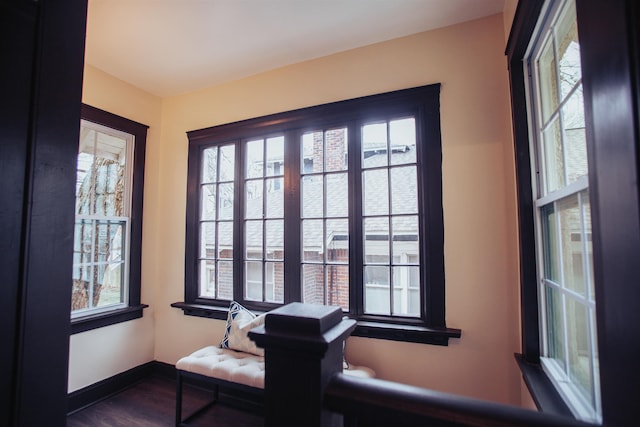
x,y
134,307
610,56
423,103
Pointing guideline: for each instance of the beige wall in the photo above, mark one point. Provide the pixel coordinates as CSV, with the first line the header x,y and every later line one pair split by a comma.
x,y
102,353
479,206
479,198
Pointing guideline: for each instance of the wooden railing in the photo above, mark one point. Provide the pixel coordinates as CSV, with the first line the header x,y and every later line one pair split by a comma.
x,y
304,384
374,402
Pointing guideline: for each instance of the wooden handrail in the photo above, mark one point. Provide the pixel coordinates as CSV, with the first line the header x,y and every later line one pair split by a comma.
x,y
375,402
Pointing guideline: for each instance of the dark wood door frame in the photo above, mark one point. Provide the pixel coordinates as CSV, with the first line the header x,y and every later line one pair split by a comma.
x,y
42,47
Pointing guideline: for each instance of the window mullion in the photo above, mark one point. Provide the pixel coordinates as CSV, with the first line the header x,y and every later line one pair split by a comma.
x,y
356,239
292,213
238,223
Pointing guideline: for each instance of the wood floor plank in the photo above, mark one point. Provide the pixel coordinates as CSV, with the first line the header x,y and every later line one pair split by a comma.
x,y
151,403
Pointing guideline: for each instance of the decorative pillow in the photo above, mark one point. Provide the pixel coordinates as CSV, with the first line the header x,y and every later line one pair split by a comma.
x,y
239,322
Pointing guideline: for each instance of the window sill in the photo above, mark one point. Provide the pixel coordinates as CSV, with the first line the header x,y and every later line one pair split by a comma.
x,y
367,329
88,323
544,394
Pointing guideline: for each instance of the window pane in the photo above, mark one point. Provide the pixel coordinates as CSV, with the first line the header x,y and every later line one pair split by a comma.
x,y
572,248
274,230
275,156
225,240
575,140
313,284
207,239
253,280
337,240
548,80
254,167
403,141
208,202
568,51
312,152
225,201
207,278
312,240
579,347
253,239
83,289
275,282
377,297
312,197
338,286
109,286
336,150
374,145
555,336
83,242
100,173
553,157
404,191
405,239
376,192
337,195
406,291
254,201
225,280
376,243
209,164
227,162
275,198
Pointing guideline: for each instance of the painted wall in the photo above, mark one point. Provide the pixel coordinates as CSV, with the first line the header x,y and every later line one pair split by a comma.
x,y
479,199
102,353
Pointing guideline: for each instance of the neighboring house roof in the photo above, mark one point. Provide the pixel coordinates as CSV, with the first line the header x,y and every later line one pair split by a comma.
x,y
403,194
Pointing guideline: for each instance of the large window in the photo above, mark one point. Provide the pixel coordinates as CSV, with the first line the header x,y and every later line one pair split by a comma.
x,y
107,233
563,214
338,204
579,238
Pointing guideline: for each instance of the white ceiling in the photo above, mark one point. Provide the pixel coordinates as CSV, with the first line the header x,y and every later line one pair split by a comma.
x,y
169,47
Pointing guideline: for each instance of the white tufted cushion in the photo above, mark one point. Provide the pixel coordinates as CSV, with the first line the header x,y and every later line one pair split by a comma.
x,y
229,365
239,367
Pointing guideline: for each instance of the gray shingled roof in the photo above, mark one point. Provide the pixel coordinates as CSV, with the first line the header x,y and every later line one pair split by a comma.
x,y
403,201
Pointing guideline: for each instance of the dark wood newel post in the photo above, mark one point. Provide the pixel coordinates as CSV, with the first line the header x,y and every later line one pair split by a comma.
x,y
303,349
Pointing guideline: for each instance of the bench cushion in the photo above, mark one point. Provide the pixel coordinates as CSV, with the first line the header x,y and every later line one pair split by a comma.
x,y
239,367
229,365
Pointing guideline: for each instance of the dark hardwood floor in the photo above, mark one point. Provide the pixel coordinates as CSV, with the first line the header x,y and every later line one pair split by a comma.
x,y
151,402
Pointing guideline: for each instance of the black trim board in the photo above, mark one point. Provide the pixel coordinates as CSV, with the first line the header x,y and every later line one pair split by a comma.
x,y
88,323
96,392
43,53
367,329
541,389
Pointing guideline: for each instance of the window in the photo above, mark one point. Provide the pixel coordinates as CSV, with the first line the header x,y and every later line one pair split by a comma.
x,y
338,204
107,232
562,212
608,242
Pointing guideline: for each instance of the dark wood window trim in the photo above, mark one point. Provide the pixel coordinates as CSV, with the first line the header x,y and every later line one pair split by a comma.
x,y
423,103
610,54
134,309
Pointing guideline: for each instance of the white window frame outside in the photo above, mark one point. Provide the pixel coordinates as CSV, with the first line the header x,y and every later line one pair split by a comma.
x,y
126,219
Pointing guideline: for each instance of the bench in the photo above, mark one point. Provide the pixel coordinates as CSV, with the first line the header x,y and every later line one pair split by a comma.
x,y
240,369
230,369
